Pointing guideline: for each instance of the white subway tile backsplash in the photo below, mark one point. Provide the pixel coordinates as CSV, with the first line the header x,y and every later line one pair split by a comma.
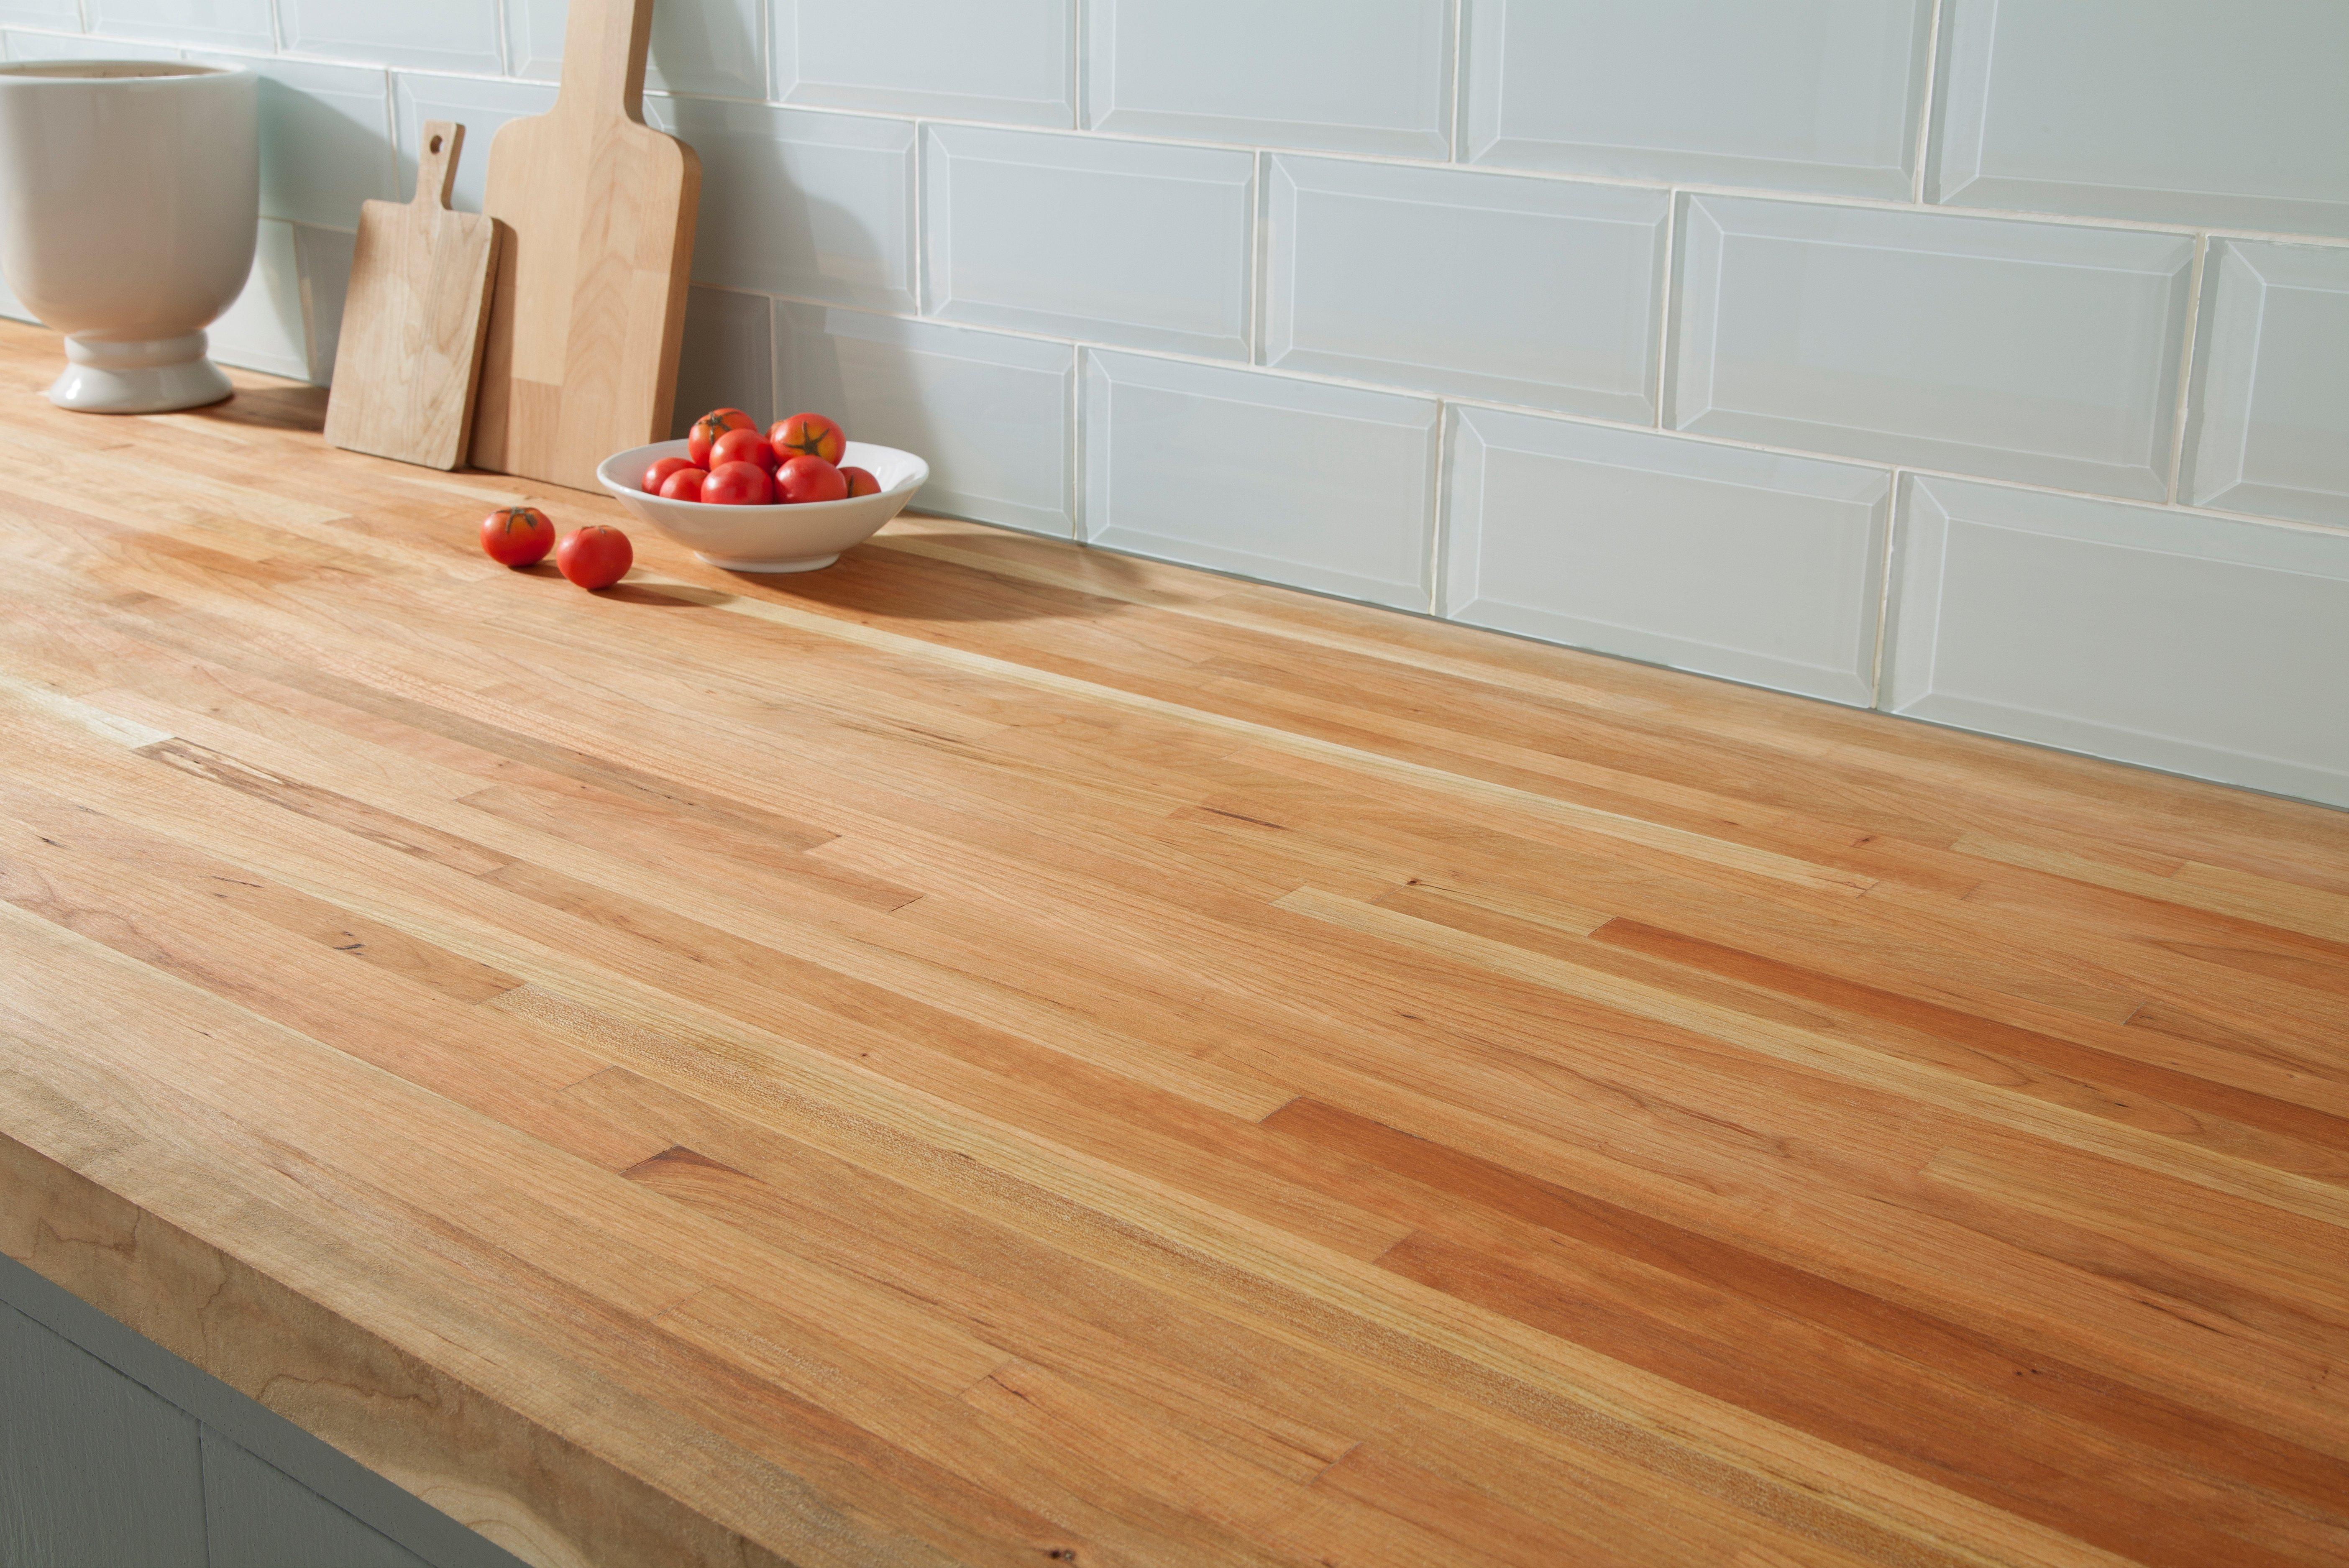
x,y
820,206
2016,350
428,34
1537,292
2174,110
990,414
266,328
697,45
1127,242
2269,427
326,139
203,24
2203,644
1752,565
1801,94
727,360
480,107
1360,75
1007,60
1329,488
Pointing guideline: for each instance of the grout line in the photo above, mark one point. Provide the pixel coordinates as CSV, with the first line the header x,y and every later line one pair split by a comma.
x,y
1553,415
1459,82
1259,237
921,235
1925,114
2186,352
1667,296
1080,72
1875,693
1439,517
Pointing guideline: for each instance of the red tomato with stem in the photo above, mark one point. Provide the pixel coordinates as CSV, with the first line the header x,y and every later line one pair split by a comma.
x,y
685,484
517,536
660,471
738,484
741,447
808,436
709,427
861,481
804,480
596,556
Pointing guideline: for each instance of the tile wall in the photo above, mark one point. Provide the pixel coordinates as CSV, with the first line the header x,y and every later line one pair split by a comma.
x,y
1985,361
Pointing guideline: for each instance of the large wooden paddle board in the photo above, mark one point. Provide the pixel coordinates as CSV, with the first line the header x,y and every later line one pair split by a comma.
x,y
597,211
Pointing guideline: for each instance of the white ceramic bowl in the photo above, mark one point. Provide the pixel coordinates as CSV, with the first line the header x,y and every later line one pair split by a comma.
x,y
798,537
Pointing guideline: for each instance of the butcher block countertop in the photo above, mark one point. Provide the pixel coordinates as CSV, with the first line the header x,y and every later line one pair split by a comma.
x,y
1001,1054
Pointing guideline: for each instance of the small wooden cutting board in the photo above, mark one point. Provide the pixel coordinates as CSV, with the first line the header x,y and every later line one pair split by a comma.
x,y
409,359
597,209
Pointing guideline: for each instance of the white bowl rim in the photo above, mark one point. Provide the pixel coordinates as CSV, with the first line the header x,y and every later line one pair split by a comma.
x,y
652,452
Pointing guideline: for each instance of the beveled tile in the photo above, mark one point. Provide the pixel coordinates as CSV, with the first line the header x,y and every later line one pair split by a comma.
x,y
2171,110
266,328
1799,95
1329,487
1483,286
697,45
991,414
1128,243
817,206
2203,644
422,35
1345,76
727,360
326,139
2016,350
202,23
1759,567
1008,60
2269,427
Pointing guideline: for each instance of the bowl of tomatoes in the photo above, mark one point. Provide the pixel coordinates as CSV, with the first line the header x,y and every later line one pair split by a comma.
x,y
788,499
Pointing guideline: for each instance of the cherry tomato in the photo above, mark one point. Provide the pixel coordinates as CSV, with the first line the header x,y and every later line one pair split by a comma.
x,y
517,536
596,556
738,484
685,484
709,427
661,471
809,479
807,435
861,481
741,447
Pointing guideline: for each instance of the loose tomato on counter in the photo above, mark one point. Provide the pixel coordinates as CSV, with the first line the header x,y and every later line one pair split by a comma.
x,y
709,427
517,536
596,556
738,484
807,435
861,481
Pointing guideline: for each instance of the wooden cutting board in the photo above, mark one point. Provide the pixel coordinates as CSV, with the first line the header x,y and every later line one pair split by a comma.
x,y
409,357
589,304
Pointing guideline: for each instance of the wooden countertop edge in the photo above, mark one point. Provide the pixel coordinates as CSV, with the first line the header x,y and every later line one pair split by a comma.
x,y
549,1501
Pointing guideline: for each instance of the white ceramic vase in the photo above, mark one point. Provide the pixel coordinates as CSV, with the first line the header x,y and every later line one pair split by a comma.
x,y
130,200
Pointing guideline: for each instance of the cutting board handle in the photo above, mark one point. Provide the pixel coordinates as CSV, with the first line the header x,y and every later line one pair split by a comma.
x,y
604,45
436,163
